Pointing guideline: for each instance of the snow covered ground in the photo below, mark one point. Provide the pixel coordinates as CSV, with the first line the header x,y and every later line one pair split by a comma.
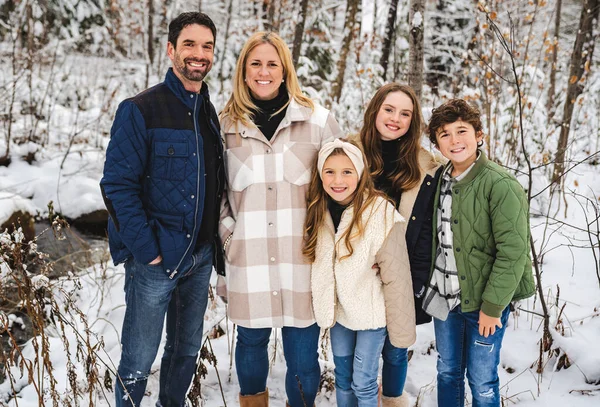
x,y
568,269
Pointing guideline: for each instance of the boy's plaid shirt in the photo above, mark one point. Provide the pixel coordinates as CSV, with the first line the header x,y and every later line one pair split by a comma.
x,y
443,293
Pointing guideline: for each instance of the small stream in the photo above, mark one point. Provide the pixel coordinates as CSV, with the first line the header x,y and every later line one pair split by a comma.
x,y
74,249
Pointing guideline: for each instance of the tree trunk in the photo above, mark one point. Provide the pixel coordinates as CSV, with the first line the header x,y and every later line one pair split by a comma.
x,y
163,29
397,58
579,66
269,10
374,18
151,31
299,32
387,39
30,57
416,19
200,5
5,159
552,89
351,9
416,16
358,21
223,57
265,13
150,40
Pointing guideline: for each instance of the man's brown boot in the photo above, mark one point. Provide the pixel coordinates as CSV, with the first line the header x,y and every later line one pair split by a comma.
x,y
400,401
255,400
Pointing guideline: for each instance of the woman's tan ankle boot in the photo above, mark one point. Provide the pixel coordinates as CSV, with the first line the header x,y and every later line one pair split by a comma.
x,y
400,401
255,400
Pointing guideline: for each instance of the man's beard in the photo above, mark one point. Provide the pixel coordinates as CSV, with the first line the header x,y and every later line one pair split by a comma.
x,y
194,75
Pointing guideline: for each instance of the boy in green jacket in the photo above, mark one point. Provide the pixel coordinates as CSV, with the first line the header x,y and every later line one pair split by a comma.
x,y
481,258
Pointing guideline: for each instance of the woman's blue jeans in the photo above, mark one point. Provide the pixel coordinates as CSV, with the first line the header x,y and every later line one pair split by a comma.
x,y
149,295
461,348
356,358
395,368
300,348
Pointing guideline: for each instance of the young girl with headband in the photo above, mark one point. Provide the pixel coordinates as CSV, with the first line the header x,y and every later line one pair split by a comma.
x,y
349,227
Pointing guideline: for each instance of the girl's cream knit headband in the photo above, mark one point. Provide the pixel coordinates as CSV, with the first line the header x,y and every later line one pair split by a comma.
x,y
353,153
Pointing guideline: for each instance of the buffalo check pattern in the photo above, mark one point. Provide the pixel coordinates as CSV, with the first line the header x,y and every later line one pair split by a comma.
x,y
268,279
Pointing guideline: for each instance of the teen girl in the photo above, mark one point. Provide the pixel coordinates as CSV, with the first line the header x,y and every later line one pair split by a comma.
x,y
406,173
349,227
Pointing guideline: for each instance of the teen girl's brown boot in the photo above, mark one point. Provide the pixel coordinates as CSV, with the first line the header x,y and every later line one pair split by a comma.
x,y
255,400
400,401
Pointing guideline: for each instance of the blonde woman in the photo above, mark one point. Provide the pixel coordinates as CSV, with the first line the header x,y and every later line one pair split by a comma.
x,y
272,134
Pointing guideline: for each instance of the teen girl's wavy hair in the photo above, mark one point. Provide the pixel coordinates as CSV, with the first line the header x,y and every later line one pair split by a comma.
x,y
407,173
317,198
239,107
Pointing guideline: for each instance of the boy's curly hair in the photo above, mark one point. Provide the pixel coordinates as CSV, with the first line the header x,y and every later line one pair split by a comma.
x,y
450,112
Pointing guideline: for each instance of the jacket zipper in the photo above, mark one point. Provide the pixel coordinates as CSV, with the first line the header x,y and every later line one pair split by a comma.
x,y
197,190
221,153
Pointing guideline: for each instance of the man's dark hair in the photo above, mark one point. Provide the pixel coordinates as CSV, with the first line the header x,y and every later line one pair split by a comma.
x,y
188,18
450,112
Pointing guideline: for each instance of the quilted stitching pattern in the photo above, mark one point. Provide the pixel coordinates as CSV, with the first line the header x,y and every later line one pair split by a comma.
x,y
149,172
125,161
490,220
397,290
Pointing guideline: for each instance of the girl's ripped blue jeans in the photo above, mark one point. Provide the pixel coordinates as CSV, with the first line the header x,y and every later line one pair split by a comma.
x,y
356,356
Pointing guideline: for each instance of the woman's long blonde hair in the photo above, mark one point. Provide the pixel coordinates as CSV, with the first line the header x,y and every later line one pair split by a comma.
x,y
316,210
239,107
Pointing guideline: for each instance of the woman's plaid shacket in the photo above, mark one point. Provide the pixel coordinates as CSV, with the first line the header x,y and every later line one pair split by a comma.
x,y
268,279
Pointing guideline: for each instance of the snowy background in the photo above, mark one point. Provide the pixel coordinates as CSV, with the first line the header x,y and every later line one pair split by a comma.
x,y
65,65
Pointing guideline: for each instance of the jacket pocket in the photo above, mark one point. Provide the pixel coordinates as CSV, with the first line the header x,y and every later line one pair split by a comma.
x,y
171,221
239,168
170,159
481,263
298,159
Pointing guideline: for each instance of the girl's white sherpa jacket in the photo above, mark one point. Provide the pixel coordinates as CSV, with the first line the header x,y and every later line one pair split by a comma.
x,y
350,291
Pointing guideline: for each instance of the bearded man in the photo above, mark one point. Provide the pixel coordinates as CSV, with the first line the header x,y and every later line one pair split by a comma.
x,y
162,185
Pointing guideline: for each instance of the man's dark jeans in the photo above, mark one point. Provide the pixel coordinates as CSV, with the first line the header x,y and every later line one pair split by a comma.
x,y
149,295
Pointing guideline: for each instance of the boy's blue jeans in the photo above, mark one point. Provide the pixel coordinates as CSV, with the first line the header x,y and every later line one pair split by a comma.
x,y
300,348
460,348
356,357
149,295
395,367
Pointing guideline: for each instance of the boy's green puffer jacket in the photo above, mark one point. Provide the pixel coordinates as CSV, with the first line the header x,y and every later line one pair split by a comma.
x,y
490,224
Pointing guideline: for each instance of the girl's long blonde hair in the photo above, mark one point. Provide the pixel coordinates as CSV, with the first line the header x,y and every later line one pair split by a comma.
x,y
407,173
239,107
316,211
